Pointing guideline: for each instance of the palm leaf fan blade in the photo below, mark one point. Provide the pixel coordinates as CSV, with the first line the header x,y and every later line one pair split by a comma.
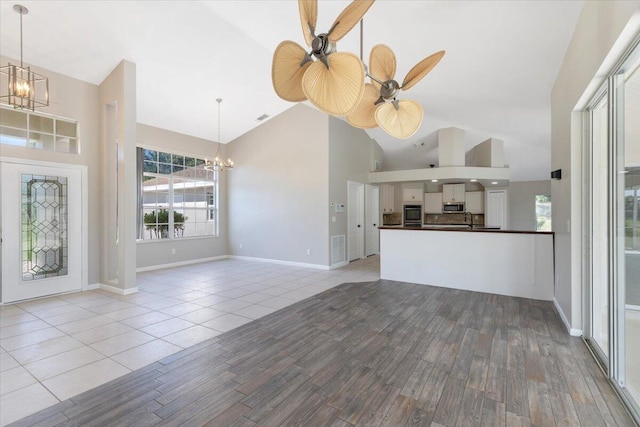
x,y
308,18
421,69
287,73
382,63
401,123
363,116
338,89
349,17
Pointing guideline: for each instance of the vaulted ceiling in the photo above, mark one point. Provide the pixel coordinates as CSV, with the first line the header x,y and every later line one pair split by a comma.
x,y
495,80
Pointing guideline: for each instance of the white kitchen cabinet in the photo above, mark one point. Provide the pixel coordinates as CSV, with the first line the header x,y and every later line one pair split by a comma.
x,y
412,195
474,202
387,198
453,193
433,203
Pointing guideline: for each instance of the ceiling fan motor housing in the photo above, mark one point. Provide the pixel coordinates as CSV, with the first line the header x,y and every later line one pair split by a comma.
x,y
389,89
322,47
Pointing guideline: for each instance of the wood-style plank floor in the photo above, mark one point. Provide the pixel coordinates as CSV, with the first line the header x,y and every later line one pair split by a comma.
x,y
381,353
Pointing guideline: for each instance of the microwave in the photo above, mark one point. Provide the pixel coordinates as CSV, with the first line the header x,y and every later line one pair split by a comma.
x,y
453,208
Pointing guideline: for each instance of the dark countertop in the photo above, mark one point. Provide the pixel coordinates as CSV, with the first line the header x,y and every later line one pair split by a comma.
x,y
463,229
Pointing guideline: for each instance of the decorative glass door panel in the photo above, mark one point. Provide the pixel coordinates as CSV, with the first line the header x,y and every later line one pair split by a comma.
x,y
42,230
44,227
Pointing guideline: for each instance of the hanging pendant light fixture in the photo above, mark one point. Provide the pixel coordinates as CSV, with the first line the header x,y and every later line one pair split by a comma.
x,y
218,163
23,88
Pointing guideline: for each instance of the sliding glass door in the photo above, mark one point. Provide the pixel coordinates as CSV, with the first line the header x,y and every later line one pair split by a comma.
x,y
613,245
628,224
599,274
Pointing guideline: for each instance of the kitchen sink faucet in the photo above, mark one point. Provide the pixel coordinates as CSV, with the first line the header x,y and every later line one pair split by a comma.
x,y
470,217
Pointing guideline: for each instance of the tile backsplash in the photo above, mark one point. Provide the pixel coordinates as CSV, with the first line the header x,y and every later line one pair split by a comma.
x,y
453,218
394,218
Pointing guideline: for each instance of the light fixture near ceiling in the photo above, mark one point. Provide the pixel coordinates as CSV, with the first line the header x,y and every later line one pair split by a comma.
x,y
218,163
379,105
334,82
24,88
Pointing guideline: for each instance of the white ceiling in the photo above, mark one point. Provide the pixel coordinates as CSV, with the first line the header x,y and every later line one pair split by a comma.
x,y
495,80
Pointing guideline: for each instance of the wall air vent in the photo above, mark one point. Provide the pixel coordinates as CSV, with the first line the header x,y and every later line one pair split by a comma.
x,y
338,252
262,117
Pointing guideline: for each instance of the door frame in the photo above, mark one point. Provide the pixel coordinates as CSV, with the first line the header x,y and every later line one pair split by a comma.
x,y
84,227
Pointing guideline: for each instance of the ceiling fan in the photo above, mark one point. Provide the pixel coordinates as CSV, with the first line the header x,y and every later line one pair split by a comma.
x,y
379,105
334,82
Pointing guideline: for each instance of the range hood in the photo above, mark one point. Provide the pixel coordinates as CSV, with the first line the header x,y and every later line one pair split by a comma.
x,y
484,163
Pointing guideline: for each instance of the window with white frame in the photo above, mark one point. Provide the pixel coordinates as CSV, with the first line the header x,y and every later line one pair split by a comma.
x,y
211,200
24,128
177,196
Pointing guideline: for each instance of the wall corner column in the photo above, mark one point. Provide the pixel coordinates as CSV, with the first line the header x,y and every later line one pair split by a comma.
x,y
118,136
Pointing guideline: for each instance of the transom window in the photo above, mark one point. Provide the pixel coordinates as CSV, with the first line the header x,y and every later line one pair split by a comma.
x,y
33,130
178,196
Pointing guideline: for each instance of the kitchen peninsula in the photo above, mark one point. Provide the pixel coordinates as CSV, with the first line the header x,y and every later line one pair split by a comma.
x,y
514,263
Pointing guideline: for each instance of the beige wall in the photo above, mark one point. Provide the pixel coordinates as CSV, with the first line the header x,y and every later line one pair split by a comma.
x,y
77,100
598,28
522,203
279,190
153,253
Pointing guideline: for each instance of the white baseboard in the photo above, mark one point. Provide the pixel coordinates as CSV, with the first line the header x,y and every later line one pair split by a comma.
x,y
118,291
573,332
339,264
277,261
180,263
92,287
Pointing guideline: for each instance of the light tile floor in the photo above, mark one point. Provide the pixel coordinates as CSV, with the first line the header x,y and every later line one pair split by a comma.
x,y
57,347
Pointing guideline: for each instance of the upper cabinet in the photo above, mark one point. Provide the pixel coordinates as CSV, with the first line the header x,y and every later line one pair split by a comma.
x,y
433,203
453,193
387,198
412,195
474,202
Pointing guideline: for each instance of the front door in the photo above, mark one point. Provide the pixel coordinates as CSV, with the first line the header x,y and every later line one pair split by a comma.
x,y
41,231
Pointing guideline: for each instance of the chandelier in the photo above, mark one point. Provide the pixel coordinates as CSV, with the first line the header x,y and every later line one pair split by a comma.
x,y
218,163
23,88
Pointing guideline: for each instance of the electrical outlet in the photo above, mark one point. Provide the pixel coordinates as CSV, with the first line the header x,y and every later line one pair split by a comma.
x,y
308,251
173,251
240,245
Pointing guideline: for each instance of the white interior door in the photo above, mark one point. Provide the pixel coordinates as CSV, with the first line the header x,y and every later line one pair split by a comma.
x,y
496,209
355,220
42,231
371,218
